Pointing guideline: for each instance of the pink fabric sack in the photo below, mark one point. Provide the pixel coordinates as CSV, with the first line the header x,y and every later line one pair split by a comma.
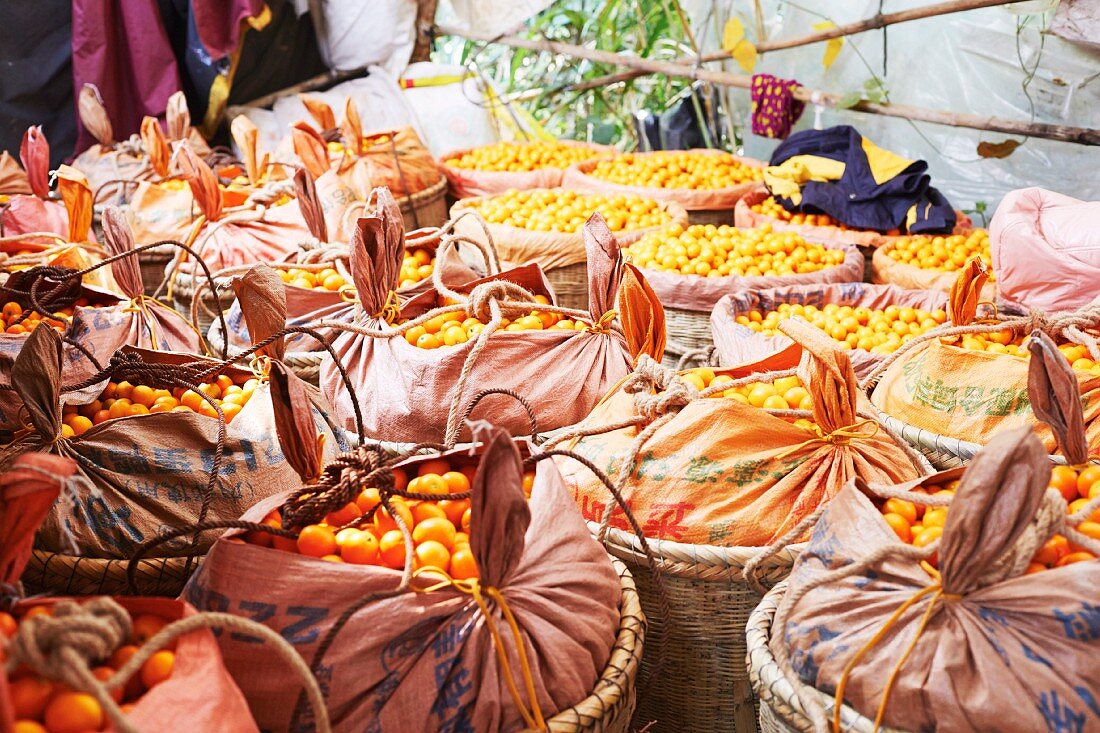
x,y
1046,250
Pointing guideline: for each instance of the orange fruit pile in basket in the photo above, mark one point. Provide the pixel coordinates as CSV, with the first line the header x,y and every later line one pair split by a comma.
x,y
946,253
919,525
41,705
772,208
440,529
14,320
880,331
327,279
719,251
785,393
1009,342
676,169
516,157
123,399
458,327
564,210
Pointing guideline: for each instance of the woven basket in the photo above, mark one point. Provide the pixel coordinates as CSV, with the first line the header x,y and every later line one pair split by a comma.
x,y
610,707
427,208
153,263
67,575
780,709
570,285
716,217
183,291
687,331
703,685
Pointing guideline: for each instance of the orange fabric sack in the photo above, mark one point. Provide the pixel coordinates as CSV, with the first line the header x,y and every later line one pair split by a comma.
x,y
719,472
464,183
548,250
739,344
13,179
744,216
578,176
407,390
961,649
35,212
937,384
422,659
198,695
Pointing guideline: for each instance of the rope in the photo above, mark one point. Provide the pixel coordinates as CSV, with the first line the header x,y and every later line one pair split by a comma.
x,y
64,646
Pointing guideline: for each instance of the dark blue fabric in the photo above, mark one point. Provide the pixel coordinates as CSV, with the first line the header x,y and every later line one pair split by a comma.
x,y
855,199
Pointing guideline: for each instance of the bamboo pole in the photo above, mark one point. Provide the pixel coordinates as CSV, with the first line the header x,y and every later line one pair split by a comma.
x,y
1084,136
861,26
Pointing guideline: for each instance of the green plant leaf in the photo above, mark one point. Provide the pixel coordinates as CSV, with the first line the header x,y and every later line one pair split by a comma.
x,y
849,100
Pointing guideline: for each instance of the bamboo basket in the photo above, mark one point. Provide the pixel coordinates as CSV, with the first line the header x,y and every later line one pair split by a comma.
x,y
427,208
183,292
702,685
153,264
570,285
687,331
780,709
610,707
67,575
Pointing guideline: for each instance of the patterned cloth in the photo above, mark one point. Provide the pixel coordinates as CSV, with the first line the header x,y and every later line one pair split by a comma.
x,y
774,108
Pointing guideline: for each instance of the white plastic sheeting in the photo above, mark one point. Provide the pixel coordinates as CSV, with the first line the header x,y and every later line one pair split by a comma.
x,y
355,34
453,116
966,62
496,17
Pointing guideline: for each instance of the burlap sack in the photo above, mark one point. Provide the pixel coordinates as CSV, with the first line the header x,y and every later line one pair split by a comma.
x,y
146,472
423,660
35,212
577,177
738,344
13,179
260,231
111,166
396,159
935,384
715,471
464,183
701,294
548,250
957,651
744,216
406,390
305,307
199,694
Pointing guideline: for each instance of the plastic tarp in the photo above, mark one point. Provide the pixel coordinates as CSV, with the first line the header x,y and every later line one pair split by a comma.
x,y
964,62
488,16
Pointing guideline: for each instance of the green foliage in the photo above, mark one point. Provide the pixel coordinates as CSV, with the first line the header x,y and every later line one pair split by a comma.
x,y
543,83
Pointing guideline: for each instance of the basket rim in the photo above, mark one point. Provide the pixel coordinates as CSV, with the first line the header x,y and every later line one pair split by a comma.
x,y
774,689
615,683
957,448
701,562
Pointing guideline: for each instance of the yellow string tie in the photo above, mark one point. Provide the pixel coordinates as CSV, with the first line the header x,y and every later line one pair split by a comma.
x,y
936,591
391,310
863,430
472,587
260,365
604,324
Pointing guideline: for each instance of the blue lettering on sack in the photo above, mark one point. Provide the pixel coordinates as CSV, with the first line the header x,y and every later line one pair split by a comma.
x,y
304,631
802,651
1083,625
1059,716
110,525
259,612
1035,656
1089,699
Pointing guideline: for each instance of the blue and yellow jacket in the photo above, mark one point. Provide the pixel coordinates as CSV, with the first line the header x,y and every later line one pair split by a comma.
x,y
843,174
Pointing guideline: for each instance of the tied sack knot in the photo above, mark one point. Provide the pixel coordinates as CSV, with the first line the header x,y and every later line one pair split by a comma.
x,y
132,146
483,295
339,483
1037,320
85,632
672,393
